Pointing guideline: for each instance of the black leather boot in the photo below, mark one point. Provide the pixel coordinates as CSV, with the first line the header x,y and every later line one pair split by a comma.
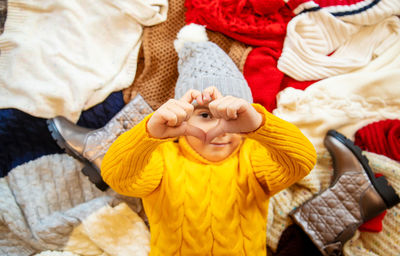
x,y
90,146
354,196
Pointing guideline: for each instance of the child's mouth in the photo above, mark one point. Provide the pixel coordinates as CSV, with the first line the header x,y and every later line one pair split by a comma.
x,y
220,144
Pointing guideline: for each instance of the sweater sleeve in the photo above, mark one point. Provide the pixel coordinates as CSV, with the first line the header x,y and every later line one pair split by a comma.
x,y
289,155
134,165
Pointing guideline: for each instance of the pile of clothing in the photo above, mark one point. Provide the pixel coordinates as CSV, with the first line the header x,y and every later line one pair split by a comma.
x,y
319,64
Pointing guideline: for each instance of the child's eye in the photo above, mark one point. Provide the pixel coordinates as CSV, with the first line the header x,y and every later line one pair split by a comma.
x,y
205,115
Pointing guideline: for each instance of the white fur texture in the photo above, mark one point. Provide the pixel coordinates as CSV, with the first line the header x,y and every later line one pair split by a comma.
x,y
190,33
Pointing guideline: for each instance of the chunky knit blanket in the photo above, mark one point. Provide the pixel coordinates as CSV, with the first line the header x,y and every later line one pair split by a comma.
x,y
48,204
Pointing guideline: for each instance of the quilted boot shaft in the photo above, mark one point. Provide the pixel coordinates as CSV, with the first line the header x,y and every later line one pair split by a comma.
x,y
89,145
355,196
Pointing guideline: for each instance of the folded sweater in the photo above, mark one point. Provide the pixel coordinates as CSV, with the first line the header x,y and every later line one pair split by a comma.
x,y
61,57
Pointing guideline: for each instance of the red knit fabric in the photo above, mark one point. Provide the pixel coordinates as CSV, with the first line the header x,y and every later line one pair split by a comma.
x,y
265,79
254,22
373,225
263,76
241,21
381,137
263,7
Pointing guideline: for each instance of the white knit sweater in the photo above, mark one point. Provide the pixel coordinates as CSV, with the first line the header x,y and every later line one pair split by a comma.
x,y
322,42
345,102
59,57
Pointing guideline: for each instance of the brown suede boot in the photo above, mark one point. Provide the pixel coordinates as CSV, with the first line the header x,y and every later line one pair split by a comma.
x,y
90,146
354,196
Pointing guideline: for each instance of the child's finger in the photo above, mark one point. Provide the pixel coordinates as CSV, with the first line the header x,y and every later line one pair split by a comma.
x,y
232,109
192,95
179,113
167,117
213,107
219,107
195,131
187,107
212,92
215,132
206,97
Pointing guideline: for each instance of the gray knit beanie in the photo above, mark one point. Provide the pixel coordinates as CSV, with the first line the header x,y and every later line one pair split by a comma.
x,y
203,64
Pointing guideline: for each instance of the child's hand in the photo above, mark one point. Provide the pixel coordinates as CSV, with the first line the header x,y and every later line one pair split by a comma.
x,y
236,115
170,119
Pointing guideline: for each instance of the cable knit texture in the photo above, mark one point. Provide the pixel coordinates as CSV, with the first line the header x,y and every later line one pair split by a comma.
x,y
241,20
347,102
198,207
48,204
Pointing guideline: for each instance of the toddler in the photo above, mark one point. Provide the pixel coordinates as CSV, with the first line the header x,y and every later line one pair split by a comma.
x,y
206,163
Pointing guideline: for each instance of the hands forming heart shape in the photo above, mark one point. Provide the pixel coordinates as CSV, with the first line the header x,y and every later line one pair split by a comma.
x,y
235,115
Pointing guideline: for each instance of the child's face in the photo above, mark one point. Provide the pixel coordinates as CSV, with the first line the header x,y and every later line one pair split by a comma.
x,y
220,147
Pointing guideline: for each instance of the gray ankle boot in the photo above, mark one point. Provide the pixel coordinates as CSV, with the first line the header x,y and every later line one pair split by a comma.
x,y
354,196
90,146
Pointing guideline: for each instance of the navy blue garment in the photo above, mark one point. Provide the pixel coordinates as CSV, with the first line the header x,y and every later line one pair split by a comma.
x,y
100,114
24,137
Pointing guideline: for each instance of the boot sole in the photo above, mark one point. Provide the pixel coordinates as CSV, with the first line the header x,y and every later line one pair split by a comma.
x,y
88,170
381,184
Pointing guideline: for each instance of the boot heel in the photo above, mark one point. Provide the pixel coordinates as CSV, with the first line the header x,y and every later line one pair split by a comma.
x,y
386,192
89,171
94,177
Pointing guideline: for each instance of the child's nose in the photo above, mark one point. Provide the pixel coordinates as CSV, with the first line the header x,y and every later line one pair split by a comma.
x,y
222,135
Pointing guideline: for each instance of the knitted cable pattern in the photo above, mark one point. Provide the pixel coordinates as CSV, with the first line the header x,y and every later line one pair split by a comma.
x,y
199,207
323,42
48,204
239,20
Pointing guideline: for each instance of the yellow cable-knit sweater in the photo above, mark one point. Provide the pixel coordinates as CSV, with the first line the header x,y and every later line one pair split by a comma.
x,y
198,207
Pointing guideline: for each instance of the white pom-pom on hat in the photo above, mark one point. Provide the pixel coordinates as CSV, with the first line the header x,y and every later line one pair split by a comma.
x,y
190,33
